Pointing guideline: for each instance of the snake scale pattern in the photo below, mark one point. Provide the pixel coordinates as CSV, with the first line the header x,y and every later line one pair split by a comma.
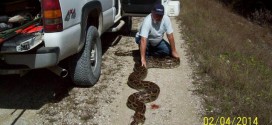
x,y
147,91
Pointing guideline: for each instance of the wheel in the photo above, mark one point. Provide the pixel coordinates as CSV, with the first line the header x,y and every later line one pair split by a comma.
x,y
85,67
126,29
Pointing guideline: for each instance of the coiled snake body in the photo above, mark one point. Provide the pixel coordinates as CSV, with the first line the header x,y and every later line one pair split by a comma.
x,y
148,91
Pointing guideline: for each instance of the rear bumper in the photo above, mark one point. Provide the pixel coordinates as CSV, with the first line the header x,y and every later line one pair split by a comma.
x,y
40,58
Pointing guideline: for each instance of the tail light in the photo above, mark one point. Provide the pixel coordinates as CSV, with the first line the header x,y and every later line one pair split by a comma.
x,y
52,17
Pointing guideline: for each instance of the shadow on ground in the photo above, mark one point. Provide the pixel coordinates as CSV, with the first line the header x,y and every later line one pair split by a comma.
x,y
39,87
111,39
33,90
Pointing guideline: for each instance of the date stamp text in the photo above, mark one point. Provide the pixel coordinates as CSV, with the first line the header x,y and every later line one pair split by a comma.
x,y
230,120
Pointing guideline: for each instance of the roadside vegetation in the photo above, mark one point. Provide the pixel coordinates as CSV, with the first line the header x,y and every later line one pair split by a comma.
x,y
233,58
258,11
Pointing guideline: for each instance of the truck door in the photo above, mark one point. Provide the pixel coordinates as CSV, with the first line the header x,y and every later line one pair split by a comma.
x,y
138,7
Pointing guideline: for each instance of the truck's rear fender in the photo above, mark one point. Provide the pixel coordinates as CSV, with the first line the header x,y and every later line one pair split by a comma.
x,y
91,16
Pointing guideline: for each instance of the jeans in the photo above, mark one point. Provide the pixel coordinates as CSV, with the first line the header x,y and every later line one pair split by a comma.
x,y
162,49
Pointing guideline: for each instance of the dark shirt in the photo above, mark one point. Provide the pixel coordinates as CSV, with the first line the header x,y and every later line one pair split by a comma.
x,y
3,23
4,19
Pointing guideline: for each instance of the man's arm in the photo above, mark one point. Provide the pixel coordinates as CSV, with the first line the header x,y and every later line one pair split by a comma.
x,y
172,45
143,51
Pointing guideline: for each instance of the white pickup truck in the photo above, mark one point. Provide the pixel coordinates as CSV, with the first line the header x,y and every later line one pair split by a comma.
x,y
56,30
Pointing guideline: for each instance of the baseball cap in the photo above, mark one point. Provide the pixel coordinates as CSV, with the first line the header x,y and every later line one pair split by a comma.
x,y
158,9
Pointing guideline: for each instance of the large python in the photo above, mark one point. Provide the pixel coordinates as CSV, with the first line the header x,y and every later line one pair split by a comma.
x,y
148,91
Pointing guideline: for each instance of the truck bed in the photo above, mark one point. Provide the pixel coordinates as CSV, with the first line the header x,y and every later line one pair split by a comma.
x,y
21,39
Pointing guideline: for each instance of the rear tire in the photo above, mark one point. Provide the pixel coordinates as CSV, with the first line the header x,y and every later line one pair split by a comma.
x,y
85,66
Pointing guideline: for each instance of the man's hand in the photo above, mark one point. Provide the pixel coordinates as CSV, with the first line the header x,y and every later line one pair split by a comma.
x,y
175,54
143,62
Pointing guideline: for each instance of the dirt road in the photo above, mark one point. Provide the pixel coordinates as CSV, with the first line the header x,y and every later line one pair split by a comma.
x,y
47,99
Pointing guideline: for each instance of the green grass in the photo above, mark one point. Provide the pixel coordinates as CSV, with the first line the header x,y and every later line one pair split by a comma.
x,y
235,54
